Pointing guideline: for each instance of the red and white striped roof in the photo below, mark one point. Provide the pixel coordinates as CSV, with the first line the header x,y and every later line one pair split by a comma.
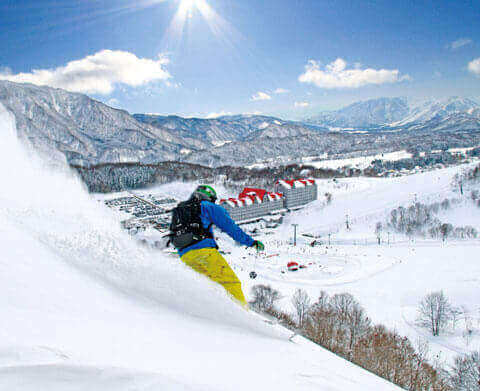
x,y
295,183
260,193
274,196
233,202
250,199
250,195
241,202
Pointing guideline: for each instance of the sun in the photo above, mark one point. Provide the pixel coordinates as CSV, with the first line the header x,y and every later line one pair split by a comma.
x,y
182,25
188,6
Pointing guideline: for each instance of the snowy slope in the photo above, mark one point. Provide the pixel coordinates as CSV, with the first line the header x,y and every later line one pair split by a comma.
x,y
223,129
390,279
438,110
87,307
73,127
81,130
372,112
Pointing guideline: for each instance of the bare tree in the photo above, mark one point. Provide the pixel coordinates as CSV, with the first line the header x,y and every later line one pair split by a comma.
x,y
358,324
435,312
301,303
342,304
351,317
338,324
468,332
323,300
457,312
378,231
466,373
446,229
264,297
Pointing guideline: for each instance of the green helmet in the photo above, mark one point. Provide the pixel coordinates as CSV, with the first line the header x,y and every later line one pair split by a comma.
x,y
206,192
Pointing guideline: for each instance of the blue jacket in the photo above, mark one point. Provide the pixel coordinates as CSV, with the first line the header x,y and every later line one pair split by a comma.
x,y
218,216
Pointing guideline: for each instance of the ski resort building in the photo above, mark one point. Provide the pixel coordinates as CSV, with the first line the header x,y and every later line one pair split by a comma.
x,y
297,192
254,203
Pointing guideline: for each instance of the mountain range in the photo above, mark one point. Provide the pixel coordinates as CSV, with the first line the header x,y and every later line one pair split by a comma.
x,y
82,131
450,114
225,129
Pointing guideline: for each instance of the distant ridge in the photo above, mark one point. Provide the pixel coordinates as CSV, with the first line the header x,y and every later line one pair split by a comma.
x,y
81,131
453,114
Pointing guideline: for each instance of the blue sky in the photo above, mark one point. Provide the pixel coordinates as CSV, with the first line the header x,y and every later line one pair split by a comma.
x,y
289,58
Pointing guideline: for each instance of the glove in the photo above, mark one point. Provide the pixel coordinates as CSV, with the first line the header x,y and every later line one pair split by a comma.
x,y
259,246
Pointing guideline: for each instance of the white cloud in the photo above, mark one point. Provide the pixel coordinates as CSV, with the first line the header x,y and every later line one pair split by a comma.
x,y
302,104
219,114
335,75
281,91
459,43
98,73
261,96
474,66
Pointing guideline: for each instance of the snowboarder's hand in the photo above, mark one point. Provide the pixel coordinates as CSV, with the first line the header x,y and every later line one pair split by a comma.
x,y
259,246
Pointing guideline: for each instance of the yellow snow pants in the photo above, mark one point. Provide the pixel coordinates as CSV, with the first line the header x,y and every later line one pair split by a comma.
x,y
209,262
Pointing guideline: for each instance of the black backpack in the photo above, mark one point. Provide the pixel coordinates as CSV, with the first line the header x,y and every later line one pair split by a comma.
x,y
186,227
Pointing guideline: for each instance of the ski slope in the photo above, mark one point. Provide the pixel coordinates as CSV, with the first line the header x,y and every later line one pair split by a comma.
x,y
83,306
390,279
368,200
358,162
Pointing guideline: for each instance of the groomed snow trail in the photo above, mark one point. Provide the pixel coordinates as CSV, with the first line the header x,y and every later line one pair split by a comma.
x,y
85,307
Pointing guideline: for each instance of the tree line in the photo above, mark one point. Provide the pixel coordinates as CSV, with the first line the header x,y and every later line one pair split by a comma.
x,y
105,178
339,323
429,160
420,220
112,177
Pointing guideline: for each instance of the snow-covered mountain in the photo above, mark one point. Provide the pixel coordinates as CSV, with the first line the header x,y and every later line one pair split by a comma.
x,y
453,114
82,131
369,113
73,127
218,131
85,131
439,109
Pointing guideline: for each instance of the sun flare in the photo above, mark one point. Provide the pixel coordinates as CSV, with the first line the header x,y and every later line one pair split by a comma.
x,y
196,14
187,7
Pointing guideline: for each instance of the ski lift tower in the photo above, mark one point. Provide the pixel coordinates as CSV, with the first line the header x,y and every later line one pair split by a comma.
x,y
295,234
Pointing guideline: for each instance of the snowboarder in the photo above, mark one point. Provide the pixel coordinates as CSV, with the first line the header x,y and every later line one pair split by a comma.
x,y
192,235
